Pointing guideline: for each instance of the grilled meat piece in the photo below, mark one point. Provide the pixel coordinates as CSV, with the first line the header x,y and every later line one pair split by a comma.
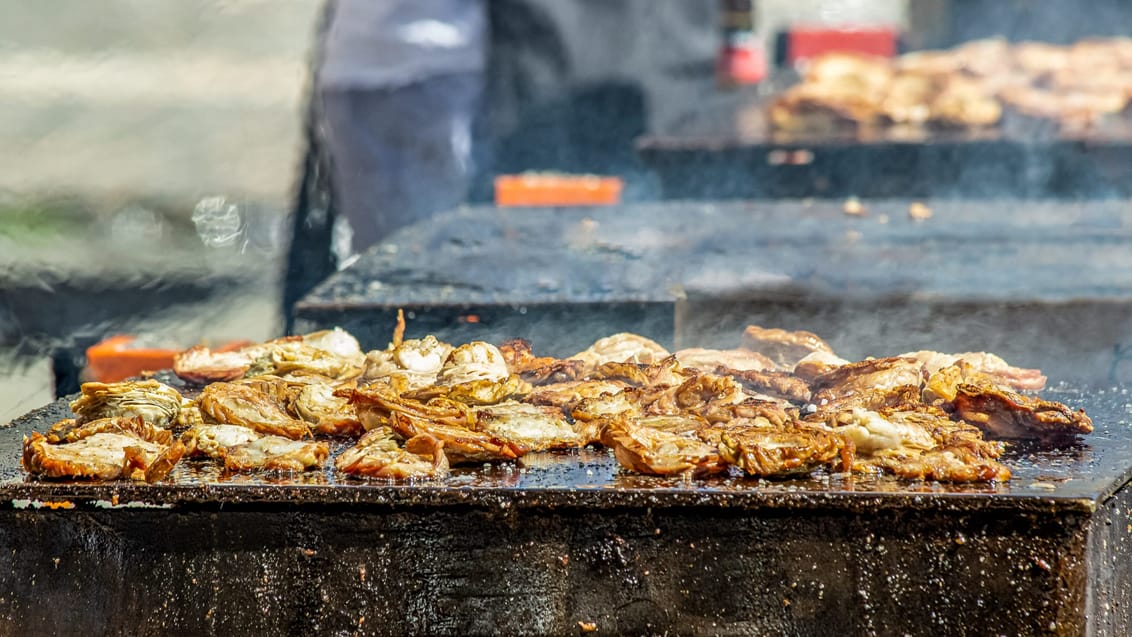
x,y
786,349
700,394
901,396
377,454
471,362
156,403
1005,414
212,441
657,452
567,396
104,449
919,444
461,445
1001,372
782,385
773,411
867,375
235,404
817,363
621,348
201,365
942,464
275,453
770,452
475,392
417,360
709,359
527,427
328,409
377,403
538,370
627,402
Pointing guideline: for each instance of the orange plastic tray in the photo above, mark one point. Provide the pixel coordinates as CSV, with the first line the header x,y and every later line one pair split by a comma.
x,y
115,359
557,190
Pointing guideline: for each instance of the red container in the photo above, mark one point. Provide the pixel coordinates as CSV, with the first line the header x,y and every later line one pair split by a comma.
x,y
806,42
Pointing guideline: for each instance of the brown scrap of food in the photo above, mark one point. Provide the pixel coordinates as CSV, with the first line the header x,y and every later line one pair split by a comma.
x,y
854,207
275,453
941,464
784,348
236,404
657,452
873,399
156,403
771,452
105,449
999,371
378,454
1004,414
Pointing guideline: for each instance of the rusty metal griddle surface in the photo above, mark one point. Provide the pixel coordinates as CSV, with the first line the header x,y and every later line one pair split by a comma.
x,y
1077,478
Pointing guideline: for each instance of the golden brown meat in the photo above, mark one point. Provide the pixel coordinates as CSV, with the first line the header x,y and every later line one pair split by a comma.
x,y
235,404
1001,372
472,362
700,394
538,370
202,366
784,348
328,409
658,452
212,441
817,363
568,395
621,348
275,453
104,449
942,464
770,452
461,445
376,404
867,375
378,454
710,359
474,392
156,403
627,402
782,385
1005,414
417,360
527,427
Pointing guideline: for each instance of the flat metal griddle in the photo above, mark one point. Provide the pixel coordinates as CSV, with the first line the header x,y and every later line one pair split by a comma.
x,y
1032,281
557,541
725,150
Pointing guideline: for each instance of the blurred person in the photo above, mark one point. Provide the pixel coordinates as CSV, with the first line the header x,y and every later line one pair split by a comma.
x,y
397,85
397,125
400,85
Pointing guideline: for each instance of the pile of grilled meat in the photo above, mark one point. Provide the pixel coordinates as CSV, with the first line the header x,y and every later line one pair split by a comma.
x,y
1073,87
781,404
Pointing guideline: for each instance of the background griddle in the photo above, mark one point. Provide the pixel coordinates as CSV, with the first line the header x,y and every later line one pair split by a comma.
x,y
724,150
1043,284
